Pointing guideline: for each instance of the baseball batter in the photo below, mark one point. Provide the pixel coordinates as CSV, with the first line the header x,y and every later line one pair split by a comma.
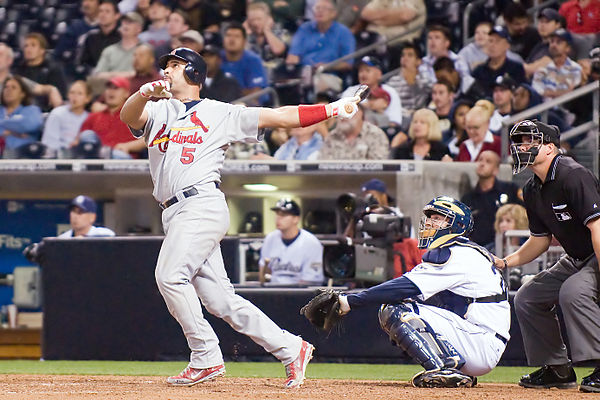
x,y
291,255
187,138
451,312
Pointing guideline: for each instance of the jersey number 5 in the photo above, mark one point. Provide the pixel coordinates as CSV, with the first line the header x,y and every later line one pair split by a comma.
x,y
187,155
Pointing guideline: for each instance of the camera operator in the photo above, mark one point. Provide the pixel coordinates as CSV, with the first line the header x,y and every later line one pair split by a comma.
x,y
376,200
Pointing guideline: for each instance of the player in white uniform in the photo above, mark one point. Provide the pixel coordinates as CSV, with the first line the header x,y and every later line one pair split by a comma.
x,y
187,138
451,312
291,255
82,215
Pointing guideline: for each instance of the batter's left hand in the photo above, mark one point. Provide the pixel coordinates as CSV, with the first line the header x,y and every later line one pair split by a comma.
x,y
345,107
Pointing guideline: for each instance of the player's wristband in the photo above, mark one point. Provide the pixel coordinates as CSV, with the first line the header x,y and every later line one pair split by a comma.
x,y
505,263
144,95
311,114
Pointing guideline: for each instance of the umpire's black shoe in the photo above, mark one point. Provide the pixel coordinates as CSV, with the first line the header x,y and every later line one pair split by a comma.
x,y
550,376
591,383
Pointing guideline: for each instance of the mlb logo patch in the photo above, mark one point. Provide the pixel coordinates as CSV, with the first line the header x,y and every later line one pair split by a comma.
x,y
561,212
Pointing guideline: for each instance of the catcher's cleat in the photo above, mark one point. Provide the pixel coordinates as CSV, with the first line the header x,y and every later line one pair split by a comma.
x,y
443,378
295,371
591,383
548,377
192,376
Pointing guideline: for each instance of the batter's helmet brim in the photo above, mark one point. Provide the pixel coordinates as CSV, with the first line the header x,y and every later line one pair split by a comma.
x,y
163,60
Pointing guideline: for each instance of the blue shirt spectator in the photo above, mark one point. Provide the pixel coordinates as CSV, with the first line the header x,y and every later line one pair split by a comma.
x,y
248,70
68,41
304,144
322,40
20,122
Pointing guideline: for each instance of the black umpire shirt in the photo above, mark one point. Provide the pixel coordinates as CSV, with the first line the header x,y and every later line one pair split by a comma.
x,y
563,204
484,206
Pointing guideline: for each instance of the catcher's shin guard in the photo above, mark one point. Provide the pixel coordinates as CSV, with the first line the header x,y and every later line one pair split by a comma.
x,y
416,337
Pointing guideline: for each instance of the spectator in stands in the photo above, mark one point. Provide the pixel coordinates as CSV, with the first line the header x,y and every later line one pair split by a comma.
x,y
69,41
503,97
177,23
498,63
218,85
144,65
444,69
375,109
348,13
369,73
549,20
523,36
290,255
322,40
264,38
475,53
511,217
525,97
157,34
355,139
488,195
480,138
20,121
438,45
412,84
38,68
393,18
204,14
243,65
562,74
106,34
442,97
457,133
304,144
425,139
582,16
106,126
117,59
192,40
7,57
82,216
64,122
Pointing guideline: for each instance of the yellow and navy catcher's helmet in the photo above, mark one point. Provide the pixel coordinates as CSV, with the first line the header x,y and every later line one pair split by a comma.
x,y
459,222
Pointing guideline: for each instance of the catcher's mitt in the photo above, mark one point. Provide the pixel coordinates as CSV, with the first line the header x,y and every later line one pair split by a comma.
x,y
323,310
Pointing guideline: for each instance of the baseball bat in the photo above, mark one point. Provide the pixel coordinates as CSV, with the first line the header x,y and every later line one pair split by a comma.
x,y
362,92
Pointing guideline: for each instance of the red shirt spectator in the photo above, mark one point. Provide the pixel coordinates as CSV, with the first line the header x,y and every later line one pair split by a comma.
x,y
582,16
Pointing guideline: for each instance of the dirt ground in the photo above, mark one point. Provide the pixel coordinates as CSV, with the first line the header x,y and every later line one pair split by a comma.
x,y
31,387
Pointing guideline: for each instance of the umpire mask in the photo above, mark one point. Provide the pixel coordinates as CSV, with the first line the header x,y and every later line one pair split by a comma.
x,y
527,137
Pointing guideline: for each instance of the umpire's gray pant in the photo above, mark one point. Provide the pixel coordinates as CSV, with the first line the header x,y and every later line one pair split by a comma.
x,y
573,285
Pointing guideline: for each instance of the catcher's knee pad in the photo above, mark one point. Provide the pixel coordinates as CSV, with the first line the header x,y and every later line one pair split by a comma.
x,y
416,337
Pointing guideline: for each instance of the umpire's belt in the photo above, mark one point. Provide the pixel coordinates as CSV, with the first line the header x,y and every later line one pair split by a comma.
x,y
189,192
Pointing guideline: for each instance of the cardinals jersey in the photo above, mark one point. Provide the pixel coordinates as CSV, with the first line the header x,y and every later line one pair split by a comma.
x,y
187,146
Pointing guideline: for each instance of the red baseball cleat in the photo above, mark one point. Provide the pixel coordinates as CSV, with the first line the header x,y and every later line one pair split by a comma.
x,y
295,370
191,376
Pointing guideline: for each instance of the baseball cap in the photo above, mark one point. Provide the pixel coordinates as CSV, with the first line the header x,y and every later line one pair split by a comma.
x,y
87,204
192,35
506,82
551,132
212,49
380,93
120,82
288,206
500,31
166,3
374,184
370,61
550,14
563,34
134,17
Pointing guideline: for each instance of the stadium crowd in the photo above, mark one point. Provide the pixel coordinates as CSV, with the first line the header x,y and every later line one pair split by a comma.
x,y
67,67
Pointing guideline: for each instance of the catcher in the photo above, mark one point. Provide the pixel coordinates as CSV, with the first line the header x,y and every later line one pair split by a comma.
x,y
450,313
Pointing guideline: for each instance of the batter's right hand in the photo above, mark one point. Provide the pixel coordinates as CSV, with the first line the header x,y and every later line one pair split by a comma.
x,y
159,88
345,107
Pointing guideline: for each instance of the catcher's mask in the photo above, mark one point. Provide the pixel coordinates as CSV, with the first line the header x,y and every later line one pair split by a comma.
x,y
527,137
456,220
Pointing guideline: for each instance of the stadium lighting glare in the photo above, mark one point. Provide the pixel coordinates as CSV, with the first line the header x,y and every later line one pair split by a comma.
x,y
260,187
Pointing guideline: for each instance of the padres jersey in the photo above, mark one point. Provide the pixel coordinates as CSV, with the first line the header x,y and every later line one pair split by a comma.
x,y
187,147
299,262
450,275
